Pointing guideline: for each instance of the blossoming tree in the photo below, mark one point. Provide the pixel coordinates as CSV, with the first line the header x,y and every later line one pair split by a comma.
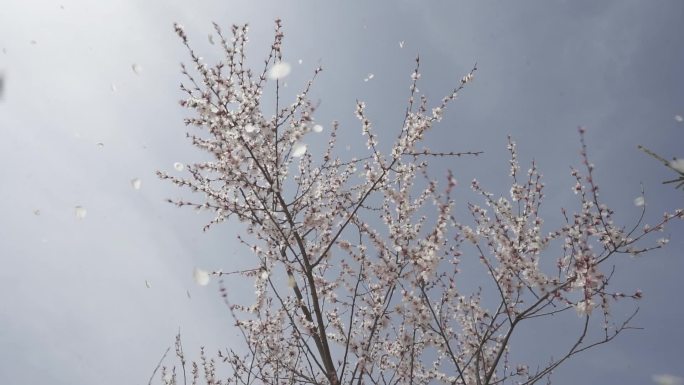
x,y
357,261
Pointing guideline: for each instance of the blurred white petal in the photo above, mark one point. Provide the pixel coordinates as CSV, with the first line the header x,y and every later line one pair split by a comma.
x,y
201,277
148,284
136,183
137,68
317,128
250,128
179,166
81,212
211,39
401,44
298,150
279,71
639,201
679,118
112,87
667,379
264,274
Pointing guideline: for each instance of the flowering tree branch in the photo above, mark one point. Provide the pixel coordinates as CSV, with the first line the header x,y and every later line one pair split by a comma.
x,y
358,261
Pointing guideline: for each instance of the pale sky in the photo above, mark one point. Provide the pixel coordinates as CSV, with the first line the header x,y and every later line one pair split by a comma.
x,y
74,304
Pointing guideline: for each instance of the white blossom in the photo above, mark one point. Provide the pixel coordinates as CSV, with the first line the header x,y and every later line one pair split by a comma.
x,y
584,307
250,128
678,164
179,166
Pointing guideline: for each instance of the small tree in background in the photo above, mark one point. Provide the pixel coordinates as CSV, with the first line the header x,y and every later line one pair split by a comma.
x,y
357,261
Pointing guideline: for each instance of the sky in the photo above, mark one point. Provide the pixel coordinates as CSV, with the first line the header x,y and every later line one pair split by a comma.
x,y
79,124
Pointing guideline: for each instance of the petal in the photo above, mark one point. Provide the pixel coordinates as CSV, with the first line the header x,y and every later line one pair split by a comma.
x,y
298,150
279,70
201,277
81,212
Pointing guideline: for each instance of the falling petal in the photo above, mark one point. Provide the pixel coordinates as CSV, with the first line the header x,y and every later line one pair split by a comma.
x,y
113,87
179,166
679,118
279,71
81,212
201,277
136,183
639,201
371,76
667,379
250,128
148,284
211,39
34,42
298,150
187,292
317,128
300,61
401,44
100,144
36,212
678,164
137,68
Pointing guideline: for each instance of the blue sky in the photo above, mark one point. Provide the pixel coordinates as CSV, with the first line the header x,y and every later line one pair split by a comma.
x,y
74,306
